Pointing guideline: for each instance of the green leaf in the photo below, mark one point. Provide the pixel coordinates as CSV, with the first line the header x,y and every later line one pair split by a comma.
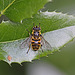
x,y
4,5
64,6
56,39
17,10
2,54
49,21
13,34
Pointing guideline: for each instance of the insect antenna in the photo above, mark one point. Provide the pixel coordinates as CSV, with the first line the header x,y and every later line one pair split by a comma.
x,y
39,24
33,24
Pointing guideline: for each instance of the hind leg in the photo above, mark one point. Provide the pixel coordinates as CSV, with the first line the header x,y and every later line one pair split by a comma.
x,y
41,48
29,47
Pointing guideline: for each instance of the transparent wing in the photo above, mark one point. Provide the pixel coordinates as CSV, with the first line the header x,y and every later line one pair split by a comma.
x,y
25,43
45,44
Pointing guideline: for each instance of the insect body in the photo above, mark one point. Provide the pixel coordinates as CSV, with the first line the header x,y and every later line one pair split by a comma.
x,y
36,40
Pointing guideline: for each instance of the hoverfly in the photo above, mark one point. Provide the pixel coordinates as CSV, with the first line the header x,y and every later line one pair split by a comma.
x,y
36,41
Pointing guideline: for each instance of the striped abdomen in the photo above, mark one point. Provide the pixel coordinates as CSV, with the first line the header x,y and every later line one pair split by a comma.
x,y
35,43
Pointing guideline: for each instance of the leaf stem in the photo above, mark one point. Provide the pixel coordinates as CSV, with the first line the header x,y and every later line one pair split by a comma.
x,y
7,7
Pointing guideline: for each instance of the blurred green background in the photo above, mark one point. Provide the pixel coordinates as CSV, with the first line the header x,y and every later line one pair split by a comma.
x,y
64,60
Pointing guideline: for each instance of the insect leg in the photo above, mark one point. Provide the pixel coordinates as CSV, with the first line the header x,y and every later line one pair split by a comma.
x,y
39,55
44,40
46,44
28,31
23,42
41,49
43,33
33,25
39,24
42,45
29,47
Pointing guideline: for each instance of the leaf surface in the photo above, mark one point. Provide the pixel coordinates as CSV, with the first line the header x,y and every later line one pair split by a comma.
x,y
59,29
17,10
